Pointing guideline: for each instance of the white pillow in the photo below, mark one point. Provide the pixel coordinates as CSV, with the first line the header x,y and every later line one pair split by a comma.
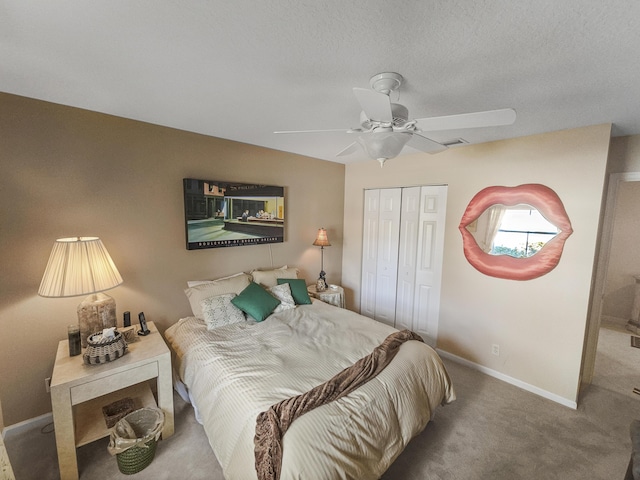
x,y
269,278
283,293
234,284
195,283
219,311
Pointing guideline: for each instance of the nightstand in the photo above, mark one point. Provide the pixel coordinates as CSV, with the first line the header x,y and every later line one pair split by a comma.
x,y
334,294
79,391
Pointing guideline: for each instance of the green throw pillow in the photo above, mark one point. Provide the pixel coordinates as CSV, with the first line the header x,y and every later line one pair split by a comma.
x,y
256,301
298,289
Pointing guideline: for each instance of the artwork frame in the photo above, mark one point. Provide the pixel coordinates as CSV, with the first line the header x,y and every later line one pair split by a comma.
x,y
220,214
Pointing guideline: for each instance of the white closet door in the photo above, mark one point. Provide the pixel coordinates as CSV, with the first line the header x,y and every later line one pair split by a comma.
x,y
387,268
428,270
408,249
369,253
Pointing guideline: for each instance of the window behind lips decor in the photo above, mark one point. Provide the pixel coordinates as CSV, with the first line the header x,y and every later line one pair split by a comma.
x,y
515,233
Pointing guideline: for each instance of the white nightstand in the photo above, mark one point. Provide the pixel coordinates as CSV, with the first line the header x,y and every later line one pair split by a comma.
x,y
334,294
79,391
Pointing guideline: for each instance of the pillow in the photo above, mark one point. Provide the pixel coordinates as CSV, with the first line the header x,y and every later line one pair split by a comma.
x,y
218,311
256,301
269,278
234,284
195,283
298,290
283,293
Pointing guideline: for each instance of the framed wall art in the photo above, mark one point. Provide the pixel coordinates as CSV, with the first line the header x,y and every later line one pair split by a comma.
x,y
227,214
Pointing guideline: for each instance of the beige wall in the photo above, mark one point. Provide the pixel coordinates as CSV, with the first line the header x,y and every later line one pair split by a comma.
x,y
538,324
67,172
625,154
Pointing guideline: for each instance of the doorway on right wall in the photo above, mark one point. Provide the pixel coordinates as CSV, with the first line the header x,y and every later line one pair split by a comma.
x,y
612,324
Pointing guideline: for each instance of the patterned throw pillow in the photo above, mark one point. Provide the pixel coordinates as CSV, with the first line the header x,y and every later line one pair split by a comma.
x,y
218,311
234,284
283,293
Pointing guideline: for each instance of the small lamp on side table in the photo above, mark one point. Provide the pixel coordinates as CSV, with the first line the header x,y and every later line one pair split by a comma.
x,y
81,266
322,241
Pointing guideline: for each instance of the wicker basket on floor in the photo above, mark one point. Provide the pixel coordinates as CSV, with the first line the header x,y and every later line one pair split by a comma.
x,y
136,459
134,439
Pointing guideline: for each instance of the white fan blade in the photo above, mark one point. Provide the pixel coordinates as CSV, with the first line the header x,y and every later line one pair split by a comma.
x,y
314,131
490,118
425,145
348,151
376,106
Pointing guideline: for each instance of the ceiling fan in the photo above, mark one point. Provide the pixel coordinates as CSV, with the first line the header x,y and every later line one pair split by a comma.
x,y
385,127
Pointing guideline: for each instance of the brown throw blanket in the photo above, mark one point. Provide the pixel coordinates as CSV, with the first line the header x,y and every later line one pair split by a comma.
x,y
272,424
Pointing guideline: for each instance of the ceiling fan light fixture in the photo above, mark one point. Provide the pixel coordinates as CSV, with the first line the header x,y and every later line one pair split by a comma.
x,y
382,146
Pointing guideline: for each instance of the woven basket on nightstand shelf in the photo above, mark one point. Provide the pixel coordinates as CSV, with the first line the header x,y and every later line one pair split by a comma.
x,y
98,353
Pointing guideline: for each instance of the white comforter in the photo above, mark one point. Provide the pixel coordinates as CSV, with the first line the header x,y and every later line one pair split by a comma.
x,y
235,372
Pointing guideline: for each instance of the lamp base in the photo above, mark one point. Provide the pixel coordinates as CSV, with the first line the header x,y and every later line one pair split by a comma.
x,y
321,283
96,312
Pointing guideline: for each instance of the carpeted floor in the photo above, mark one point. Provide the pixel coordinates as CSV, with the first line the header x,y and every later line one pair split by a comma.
x,y
492,431
617,362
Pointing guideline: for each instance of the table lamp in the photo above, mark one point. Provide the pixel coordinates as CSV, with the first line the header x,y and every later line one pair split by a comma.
x,y
81,266
322,241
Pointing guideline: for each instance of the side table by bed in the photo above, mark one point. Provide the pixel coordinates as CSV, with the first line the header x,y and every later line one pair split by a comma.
x,y
334,295
79,391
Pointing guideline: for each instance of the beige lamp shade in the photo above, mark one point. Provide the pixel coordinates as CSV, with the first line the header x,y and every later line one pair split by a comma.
x,y
78,266
322,240
82,266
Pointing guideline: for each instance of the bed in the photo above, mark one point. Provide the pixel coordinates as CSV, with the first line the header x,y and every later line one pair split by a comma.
x,y
235,371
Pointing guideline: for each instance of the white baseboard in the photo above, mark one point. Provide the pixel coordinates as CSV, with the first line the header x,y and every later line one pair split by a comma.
x,y
20,427
513,381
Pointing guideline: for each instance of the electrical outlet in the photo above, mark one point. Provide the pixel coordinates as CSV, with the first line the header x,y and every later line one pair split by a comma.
x,y
47,384
495,349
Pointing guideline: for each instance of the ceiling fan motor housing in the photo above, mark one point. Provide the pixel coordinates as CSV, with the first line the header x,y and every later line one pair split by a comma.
x,y
400,115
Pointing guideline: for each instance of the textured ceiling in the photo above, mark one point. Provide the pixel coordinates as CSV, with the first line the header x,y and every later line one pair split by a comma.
x,y
241,69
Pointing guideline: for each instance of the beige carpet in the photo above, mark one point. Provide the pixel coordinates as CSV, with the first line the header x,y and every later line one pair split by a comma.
x,y
617,362
492,431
